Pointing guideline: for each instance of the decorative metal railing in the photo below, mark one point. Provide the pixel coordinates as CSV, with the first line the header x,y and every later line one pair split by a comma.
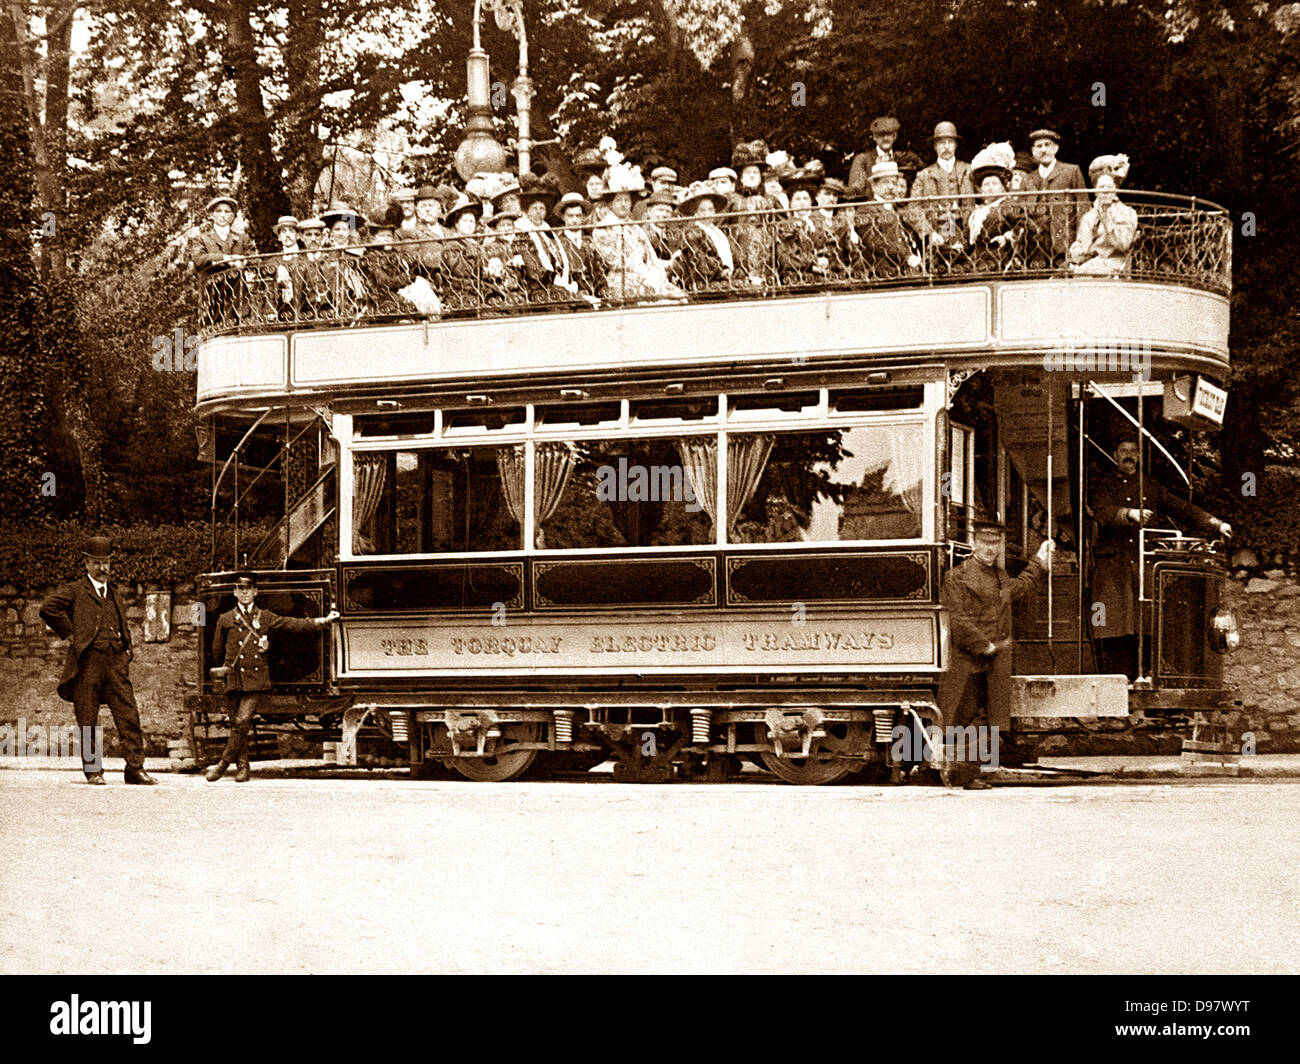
x,y
739,255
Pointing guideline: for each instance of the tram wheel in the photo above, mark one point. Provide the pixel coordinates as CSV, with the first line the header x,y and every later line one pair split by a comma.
x,y
825,763
505,764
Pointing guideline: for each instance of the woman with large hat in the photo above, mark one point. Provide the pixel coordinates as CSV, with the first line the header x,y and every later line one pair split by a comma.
x,y
1108,229
633,270
754,235
463,256
996,223
801,253
710,256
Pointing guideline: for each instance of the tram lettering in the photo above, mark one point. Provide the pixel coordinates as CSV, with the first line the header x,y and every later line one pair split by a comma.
x,y
403,647
648,644
509,646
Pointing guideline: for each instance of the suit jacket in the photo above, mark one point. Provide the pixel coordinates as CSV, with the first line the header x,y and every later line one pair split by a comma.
x,y
248,666
860,169
1062,212
73,612
978,599
207,249
944,211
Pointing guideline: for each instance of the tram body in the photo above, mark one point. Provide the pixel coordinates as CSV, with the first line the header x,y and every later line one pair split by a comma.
x,y
687,533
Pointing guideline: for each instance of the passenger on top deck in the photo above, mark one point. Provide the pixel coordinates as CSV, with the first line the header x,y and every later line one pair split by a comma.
x,y
502,263
710,258
463,257
1061,207
634,271
285,269
889,244
590,165
754,236
586,268
665,236
802,255
997,222
942,184
426,228
1108,229
216,250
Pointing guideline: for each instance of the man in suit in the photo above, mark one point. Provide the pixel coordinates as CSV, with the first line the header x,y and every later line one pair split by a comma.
x,y
218,254
240,643
1058,212
1113,502
89,613
941,184
976,688
889,227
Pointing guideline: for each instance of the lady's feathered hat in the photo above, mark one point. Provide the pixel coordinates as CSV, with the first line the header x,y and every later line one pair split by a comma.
x,y
999,159
1115,165
749,153
534,189
622,177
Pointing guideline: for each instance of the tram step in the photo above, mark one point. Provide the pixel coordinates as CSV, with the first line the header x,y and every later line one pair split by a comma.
x,y
1085,696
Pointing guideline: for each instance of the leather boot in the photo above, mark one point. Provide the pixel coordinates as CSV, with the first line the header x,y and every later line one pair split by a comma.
x,y
242,775
216,771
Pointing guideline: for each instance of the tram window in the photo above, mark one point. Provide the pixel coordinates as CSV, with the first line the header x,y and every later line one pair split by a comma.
x,y
560,415
858,400
435,501
479,419
626,493
702,409
854,483
768,403
417,424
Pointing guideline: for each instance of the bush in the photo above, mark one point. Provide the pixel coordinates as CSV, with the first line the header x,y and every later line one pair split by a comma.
x,y
35,556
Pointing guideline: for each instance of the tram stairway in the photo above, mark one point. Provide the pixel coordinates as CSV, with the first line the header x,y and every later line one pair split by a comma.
x,y
305,516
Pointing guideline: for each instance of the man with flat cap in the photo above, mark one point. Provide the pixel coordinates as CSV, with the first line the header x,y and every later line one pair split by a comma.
x,y
1062,197
218,254
240,643
89,613
976,688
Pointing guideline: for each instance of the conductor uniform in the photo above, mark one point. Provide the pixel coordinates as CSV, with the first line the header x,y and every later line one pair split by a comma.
x,y
240,642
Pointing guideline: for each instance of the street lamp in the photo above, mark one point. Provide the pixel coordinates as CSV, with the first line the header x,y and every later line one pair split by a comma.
x,y
479,152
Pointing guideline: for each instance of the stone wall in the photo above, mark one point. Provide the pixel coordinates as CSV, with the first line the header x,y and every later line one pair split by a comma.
x,y
31,659
1265,671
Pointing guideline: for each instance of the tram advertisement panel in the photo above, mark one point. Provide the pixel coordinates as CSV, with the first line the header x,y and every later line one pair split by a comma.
x,y
857,641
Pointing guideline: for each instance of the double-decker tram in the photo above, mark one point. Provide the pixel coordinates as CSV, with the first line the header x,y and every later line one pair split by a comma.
x,y
685,531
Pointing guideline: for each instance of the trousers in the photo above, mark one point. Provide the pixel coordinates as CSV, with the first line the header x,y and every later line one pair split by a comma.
x,y
243,706
103,679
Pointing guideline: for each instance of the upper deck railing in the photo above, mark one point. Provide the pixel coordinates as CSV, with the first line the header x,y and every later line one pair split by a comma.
x,y
736,256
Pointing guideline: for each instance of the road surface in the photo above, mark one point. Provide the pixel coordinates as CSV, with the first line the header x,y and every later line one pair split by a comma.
x,y
343,874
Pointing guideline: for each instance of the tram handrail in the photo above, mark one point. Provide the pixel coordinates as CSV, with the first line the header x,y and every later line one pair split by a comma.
x,y
854,246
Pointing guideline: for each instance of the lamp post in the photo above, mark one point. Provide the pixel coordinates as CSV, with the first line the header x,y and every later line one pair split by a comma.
x,y
479,152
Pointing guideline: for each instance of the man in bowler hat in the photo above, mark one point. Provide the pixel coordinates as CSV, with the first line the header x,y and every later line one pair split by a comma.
x,y
90,614
240,643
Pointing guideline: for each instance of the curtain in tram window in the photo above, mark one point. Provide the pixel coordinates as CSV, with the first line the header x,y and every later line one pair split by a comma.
x,y
555,465
368,475
906,472
746,459
699,456
511,467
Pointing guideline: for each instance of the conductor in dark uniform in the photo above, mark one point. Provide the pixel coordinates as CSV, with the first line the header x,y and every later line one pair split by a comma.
x,y
976,688
1113,502
240,642
90,614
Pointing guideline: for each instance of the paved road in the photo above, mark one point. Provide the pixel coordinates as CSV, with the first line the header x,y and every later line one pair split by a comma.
x,y
391,875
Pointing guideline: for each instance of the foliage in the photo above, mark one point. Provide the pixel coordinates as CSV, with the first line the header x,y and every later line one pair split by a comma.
x,y
35,556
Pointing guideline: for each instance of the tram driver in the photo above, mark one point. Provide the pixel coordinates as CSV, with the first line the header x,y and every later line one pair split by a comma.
x,y
1113,503
976,688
